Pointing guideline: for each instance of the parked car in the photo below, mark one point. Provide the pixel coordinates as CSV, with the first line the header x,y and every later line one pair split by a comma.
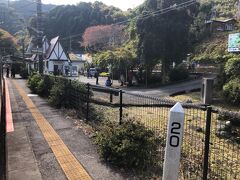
x,y
104,74
92,71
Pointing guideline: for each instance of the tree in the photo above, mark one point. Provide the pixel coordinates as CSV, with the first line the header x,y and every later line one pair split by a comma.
x,y
75,19
7,43
163,38
121,59
9,20
104,37
232,68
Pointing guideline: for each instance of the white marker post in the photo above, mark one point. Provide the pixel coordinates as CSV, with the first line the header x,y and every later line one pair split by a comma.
x,y
174,142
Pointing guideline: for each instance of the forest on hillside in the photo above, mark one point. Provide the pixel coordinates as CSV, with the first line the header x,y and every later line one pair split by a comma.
x,y
15,15
177,32
74,19
71,20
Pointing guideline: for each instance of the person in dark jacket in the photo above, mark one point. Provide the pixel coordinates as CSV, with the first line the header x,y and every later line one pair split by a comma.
x,y
96,76
108,82
7,72
13,72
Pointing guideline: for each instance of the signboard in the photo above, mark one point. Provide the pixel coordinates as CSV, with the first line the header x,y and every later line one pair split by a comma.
x,y
234,42
173,143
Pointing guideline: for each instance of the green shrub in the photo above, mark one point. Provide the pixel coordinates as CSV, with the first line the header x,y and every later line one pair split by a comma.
x,y
231,91
129,145
33,82
23,72
232,67
179,73
221,79
76,85
45,85
58,94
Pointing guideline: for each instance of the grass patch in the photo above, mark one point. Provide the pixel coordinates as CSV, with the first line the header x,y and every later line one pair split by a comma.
x,y
195,98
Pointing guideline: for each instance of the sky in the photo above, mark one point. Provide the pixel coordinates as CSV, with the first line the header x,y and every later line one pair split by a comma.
x,y
122,4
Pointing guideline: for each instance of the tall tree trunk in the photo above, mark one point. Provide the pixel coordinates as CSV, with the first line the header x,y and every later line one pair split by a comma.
x,y
164,72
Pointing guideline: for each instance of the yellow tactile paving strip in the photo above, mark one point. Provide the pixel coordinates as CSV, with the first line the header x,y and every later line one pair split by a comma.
x,y
70,165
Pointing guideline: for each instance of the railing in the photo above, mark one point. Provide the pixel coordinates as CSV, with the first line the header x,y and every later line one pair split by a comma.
x,y
211,141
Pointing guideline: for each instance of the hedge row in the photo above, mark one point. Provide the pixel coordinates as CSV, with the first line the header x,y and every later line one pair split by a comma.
x,y
56,89
130,145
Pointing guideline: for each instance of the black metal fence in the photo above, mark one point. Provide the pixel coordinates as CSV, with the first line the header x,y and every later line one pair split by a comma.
x,y
211,143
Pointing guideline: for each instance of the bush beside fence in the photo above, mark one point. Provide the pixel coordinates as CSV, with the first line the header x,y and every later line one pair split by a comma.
x,y
95,103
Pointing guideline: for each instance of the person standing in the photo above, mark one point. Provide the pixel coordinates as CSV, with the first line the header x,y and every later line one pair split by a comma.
x,y
130,77
122,79
13,72
88,73
96,76
108,82
7,72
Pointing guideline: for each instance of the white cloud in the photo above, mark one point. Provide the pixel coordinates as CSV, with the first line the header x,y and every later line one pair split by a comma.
x,y
122,4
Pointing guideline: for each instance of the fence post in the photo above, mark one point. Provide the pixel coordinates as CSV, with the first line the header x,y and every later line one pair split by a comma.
x,y
173,143
88,99
69,93
111,97
120,107
207,142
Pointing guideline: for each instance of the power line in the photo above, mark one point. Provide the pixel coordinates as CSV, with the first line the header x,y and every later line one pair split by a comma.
x,y
162,11
150,14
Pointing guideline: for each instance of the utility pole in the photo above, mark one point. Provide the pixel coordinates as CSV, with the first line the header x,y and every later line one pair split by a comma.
x,y
23,49
70,44
238,11
39,35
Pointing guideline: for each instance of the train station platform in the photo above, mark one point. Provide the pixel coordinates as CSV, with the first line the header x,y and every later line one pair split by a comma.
x,y
45,143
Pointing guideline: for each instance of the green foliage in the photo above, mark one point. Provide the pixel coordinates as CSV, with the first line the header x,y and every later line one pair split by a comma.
x,y
76,85
120,58
23,72
9,19
232,67
45,85
55,88
7,43
33,82
179,73
12,18
165,37
231,91
26,8
221,79
129,145
212,49
226,9
58,95
65,20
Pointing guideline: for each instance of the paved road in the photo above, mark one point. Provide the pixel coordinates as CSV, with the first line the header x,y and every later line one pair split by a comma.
x,y
156,92
101,80
169,89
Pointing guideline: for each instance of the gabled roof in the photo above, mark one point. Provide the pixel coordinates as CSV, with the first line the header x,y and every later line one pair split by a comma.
x,y
34,57
52,46
220,20
75,57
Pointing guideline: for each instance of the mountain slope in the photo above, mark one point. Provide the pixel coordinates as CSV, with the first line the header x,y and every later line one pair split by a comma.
x,y
27,8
